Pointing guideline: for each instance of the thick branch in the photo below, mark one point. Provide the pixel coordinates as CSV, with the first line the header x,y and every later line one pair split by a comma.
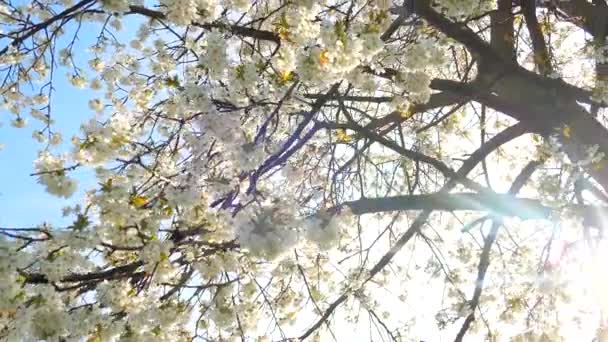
x,y
545,111
458,32
38,278
541,53
590,17
501,22
496,204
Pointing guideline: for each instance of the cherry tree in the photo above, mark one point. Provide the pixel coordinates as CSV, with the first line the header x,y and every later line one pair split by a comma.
x,y
274,170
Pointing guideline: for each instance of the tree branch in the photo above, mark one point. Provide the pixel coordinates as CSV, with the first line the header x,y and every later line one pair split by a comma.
x,y
501,22
484,259
475,158
541,53
234,29
459,32
496,204
32,30
39,278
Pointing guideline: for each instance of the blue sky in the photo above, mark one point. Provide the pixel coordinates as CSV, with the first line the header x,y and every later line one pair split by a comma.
x,y
23,202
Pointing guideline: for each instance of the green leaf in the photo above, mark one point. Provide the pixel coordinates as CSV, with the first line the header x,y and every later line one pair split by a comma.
x,y
82,221
172,81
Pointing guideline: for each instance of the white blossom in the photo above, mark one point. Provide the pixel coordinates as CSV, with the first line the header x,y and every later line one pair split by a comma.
x,y
52,175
